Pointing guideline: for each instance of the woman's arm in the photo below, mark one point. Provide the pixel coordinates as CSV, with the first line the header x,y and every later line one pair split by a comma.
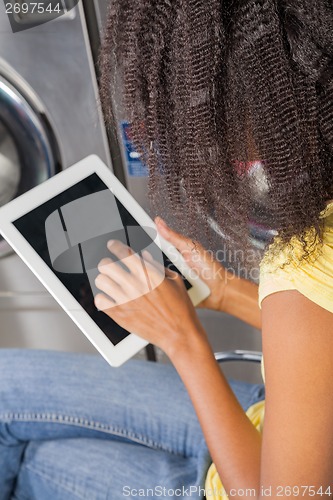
x,y
295,456
166,317
233,441
229,293
297,444
241,301
298,429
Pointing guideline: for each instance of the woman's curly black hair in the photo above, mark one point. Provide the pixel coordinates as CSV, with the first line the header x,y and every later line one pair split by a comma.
x,y
212,86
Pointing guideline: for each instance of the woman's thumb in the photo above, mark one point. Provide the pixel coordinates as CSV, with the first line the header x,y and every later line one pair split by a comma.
x,y
179,241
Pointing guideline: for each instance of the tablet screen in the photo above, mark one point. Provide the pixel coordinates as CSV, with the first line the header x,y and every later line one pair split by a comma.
x,y
70,233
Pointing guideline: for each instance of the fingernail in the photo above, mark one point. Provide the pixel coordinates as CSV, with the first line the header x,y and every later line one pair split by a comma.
x,y
110,243
161,223
104,262
146,254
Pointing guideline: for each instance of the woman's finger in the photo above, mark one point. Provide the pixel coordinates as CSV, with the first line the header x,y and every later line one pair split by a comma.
x,y
124,253
128,258
113,270
150,263
193,253
179,241
110,288
103,303
173,275
147,256
127,292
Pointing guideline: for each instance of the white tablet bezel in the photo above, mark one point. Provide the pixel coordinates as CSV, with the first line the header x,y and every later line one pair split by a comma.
x,y
117,354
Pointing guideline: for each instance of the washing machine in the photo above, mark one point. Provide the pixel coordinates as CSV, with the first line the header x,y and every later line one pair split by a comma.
x,y
50,118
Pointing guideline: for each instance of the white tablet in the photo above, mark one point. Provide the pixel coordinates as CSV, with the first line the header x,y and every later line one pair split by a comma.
x,y
61,229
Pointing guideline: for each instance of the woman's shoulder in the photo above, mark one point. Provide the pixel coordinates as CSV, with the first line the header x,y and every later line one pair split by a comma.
x,y
312,276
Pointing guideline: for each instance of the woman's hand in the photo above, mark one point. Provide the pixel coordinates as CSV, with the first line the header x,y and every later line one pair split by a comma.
x,y
229,293
145,298
210,271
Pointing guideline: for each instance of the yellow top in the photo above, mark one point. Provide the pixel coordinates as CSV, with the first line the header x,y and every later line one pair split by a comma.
x,y
314,279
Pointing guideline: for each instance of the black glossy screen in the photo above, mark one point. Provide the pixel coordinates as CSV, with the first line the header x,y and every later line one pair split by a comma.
x,y
33,226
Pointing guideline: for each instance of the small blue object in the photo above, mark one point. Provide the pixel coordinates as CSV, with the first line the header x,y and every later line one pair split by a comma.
x,y
135,167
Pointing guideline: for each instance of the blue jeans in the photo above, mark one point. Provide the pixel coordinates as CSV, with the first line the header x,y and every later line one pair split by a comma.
x,y
72,427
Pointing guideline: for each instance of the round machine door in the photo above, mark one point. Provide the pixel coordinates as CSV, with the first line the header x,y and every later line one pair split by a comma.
x,y
27,148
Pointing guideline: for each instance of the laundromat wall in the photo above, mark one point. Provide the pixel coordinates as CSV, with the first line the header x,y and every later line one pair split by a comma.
x,y
50,118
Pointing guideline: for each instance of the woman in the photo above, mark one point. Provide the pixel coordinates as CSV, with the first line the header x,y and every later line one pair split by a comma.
x,y
209,88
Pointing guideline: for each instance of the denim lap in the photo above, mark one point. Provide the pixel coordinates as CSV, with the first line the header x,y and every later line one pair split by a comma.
x,y
73,427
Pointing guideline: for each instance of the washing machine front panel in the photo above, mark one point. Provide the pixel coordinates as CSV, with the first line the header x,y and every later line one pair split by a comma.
x,y
10,167
26,154
55,60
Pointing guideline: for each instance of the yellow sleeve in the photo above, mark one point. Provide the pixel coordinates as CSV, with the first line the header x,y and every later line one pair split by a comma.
x,y
214,487
312,277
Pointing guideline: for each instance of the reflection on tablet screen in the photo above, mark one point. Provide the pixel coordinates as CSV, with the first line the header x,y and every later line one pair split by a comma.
x,y
70,233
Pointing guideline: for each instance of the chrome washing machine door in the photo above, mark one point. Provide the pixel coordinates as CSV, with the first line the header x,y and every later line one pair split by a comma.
x,y
27,147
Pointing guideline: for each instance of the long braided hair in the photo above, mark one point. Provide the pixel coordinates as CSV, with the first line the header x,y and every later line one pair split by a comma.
x,y
211,88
